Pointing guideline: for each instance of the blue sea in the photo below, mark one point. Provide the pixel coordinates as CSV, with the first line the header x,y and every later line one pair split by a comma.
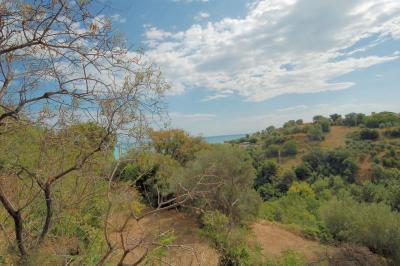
x,y
222,139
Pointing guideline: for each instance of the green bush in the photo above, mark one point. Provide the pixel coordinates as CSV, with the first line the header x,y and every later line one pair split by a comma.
x,y
337,162
373,225
229,240
380,120
369,134
315,133
289,148
272,151
393,133
299,209
231,167
266,173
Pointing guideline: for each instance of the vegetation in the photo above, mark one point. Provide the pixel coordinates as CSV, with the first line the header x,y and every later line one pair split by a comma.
x,y
346,194
67,199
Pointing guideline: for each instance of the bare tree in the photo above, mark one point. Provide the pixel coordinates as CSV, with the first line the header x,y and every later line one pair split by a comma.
x,y
127,241
62,63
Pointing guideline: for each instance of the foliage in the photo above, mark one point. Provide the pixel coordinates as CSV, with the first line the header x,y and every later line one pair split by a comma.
x,y
381,120
315,133
369,134
289,148
333,162
353,119
153,173
299,209
266,173
373,225
393,133
324,122
177,143
336,119
230,241
230,168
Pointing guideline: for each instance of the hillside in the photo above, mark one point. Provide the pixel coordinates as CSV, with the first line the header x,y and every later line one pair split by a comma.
x,y
321,193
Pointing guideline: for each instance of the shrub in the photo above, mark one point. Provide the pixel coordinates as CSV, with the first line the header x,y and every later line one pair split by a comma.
x,y
373,225
266,173
393,133
230,167
381,120
353,119
330,163
272,151
302,172
324,122
231,242
299,209
289,148
315,133
369,134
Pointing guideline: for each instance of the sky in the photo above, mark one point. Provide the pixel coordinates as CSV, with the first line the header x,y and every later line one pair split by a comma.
x,y
239,66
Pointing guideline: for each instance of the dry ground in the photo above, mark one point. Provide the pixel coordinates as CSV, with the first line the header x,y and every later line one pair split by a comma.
x,y
337,137
274,240
189,248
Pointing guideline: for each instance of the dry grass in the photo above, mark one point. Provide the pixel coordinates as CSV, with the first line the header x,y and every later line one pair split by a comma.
x,y
274,240
189,248
337,137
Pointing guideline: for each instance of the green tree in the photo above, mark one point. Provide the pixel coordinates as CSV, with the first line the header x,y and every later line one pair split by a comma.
x,y
289,148
315,133
230,168
177,143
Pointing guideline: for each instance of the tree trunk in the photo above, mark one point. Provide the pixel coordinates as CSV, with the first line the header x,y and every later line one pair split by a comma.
x,y
18,234
49,212
17,218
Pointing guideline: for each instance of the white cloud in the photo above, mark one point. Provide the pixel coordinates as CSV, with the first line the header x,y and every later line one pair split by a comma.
x,y
279,47
201,15
118,18
190,1
191,117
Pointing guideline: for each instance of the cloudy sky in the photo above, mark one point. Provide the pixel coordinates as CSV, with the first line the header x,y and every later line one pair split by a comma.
x,y
237,66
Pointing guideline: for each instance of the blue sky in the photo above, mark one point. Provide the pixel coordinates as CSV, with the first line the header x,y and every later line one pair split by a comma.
x,y
238,66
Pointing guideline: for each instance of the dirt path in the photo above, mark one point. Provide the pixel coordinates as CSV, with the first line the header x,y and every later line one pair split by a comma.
x,y
189,247
337,137
275,240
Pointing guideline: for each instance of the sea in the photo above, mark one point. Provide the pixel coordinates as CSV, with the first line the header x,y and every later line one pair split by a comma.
x,y
222,139
211,140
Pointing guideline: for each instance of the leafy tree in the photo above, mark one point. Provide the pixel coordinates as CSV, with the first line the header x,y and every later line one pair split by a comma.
x,y
177,144
353,119
290,123
67,65
289,148
383,119
230,168
334,162
272,150
324,122
315,133
266,173
153,173
303,172
336,119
